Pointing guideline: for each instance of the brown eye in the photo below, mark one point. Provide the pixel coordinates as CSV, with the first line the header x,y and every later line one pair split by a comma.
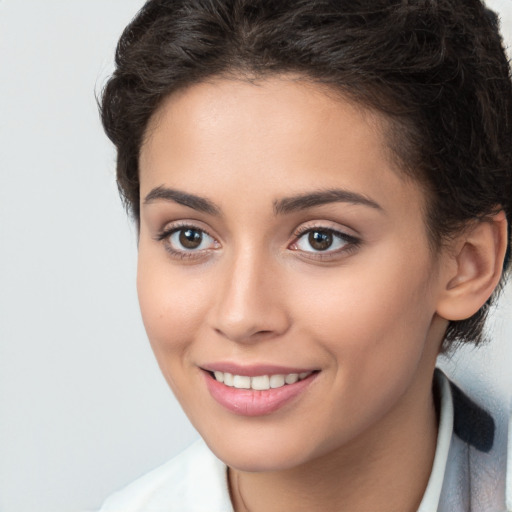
x,y
320,240
190,238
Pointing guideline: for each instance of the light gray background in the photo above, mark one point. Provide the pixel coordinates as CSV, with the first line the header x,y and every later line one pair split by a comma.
x,y
83,408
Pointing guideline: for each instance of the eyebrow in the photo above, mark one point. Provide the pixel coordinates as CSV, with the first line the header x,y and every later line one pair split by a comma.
x,y
310,200
192,201
281,206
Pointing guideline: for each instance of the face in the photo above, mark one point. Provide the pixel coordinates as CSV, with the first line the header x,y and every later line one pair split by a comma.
x,y
283,253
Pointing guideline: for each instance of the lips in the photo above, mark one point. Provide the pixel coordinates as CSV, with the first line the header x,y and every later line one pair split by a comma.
x,y
256,390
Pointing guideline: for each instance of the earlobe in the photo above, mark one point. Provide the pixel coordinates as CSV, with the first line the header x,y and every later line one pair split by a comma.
x,y
476,267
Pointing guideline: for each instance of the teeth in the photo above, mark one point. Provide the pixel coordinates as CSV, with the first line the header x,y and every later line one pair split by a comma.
x,y
242,382
277,381
291,378
228,380
260,382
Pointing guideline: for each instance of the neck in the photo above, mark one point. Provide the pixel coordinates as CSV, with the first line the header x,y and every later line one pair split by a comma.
x,y
386,468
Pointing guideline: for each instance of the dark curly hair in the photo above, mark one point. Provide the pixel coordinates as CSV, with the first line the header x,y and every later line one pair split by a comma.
x,y
435,69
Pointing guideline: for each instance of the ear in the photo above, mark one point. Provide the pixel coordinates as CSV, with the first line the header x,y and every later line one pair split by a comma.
x,y
474,268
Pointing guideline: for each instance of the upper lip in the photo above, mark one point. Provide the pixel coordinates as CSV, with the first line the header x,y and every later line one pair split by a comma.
x,y
253,370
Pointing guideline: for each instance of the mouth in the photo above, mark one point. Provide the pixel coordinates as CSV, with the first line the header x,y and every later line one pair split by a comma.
x,y
256,391
259,382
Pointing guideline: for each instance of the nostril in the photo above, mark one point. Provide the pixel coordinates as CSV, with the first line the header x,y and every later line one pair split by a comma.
x,y
246,335
242,322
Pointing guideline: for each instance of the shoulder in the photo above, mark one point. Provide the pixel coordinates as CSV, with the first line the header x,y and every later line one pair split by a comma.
x,y
476,471
193,481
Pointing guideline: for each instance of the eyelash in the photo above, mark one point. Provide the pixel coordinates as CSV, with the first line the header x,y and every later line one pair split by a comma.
x,y
351,242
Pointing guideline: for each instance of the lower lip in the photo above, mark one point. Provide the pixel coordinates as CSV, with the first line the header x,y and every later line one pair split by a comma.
x,y
250,402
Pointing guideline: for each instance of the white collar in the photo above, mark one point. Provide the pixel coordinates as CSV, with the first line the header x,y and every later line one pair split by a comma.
x,y
430,501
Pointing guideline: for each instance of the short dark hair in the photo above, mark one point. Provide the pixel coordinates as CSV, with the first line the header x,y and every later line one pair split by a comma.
x,y
435,69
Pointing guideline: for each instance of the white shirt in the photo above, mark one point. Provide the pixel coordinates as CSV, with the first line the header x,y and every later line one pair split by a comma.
x,y
468,473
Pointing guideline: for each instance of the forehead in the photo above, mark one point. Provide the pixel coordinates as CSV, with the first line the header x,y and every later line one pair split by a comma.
x,y
269,138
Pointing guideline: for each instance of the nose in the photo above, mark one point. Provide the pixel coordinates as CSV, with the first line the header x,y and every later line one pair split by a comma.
x,y
249,305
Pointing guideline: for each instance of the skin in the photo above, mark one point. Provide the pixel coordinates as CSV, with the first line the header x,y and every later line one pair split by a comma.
x,y
362,436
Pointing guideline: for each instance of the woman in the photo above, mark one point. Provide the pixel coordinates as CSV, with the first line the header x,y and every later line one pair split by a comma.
x,y
323,196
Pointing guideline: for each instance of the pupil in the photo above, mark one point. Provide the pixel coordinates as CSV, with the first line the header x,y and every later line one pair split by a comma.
x,y
320,240
190,238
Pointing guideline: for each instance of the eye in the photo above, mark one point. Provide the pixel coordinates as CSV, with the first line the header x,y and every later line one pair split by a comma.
x,y
187,240
323,240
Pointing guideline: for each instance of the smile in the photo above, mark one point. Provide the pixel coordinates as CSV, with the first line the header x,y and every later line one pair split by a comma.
x,y
259,382
263,392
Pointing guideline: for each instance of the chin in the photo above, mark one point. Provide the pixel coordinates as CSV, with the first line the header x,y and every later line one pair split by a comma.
x,y
258,462
260,455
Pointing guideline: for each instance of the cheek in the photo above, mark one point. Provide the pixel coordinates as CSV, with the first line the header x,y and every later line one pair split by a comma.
x,y
371,317
171,304
373,327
